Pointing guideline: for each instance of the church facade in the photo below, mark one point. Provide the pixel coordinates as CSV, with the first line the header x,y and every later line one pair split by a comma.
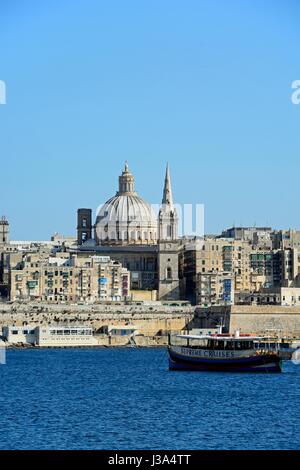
x,y
127,229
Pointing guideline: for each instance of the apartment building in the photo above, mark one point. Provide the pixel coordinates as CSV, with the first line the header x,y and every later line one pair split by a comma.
x,y
68,278
214,288
251,267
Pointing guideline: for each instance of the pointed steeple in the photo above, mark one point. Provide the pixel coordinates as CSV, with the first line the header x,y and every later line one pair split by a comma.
x,y
168,219
167,196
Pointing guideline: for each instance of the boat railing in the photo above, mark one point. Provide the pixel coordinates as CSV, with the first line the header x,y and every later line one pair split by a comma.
x,y
245,343
175,340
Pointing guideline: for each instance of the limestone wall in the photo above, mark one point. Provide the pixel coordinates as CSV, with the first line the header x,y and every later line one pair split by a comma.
x,y
287,325
150,320
266,319
147,320
251,319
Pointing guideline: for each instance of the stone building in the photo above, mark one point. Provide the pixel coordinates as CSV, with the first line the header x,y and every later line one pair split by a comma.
x,y
4,259
69,278
259,236
127,230
4,231
214,288
253,267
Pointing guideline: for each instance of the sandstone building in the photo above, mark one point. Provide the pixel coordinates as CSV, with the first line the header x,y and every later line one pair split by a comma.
x,y
69,279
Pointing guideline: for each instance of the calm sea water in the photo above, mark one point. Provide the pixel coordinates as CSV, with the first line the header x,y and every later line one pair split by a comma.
x,y
127,399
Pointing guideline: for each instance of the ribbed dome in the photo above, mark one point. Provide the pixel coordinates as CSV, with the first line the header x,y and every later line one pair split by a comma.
x,y
128,208
126,218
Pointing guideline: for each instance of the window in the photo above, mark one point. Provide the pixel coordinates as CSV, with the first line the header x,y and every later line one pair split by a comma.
x,y
169,273
84,223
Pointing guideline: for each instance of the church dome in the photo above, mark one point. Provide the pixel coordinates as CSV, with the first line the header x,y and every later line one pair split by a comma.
x,y
126,218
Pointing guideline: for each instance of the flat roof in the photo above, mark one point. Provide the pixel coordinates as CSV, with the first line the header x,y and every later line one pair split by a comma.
x,y
222,338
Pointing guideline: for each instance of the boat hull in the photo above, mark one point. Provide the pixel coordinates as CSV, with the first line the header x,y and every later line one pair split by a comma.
x,y
255,363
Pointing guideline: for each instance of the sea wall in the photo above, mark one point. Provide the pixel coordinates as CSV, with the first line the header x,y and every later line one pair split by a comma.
x,y
251,319
155,319
148,320
266,319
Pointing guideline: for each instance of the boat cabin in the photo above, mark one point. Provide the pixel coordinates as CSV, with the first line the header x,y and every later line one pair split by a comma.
x,y
215,342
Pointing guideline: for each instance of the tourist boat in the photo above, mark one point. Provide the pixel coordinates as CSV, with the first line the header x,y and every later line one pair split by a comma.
x,y
221,353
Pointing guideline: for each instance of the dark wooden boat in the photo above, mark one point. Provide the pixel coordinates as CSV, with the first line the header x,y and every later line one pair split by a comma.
x,y
221,353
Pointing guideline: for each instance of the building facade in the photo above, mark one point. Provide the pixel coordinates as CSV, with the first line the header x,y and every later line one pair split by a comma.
x,y
253,266
69,279
214,288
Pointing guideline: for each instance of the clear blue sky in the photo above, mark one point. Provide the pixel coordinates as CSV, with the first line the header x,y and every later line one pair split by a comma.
x,y
205,85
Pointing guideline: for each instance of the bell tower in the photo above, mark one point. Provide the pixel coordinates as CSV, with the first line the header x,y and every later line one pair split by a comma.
x,y
168,288
168,218
84,225
4,231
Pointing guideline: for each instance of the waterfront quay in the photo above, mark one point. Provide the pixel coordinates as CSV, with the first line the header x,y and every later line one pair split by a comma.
x,y
137,324
111,325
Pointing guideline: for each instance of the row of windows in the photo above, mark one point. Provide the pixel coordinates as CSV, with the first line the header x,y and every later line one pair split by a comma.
x,y
70,332
293,298
124,235
24,332
61,273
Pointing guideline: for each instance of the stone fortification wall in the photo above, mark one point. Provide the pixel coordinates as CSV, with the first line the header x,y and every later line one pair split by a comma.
x,y
148,320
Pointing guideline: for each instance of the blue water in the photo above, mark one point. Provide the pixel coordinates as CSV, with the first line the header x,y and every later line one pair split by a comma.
x,y
127,399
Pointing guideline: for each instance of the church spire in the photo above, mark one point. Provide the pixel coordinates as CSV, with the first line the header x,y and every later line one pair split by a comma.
x,y
168,219
167,196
